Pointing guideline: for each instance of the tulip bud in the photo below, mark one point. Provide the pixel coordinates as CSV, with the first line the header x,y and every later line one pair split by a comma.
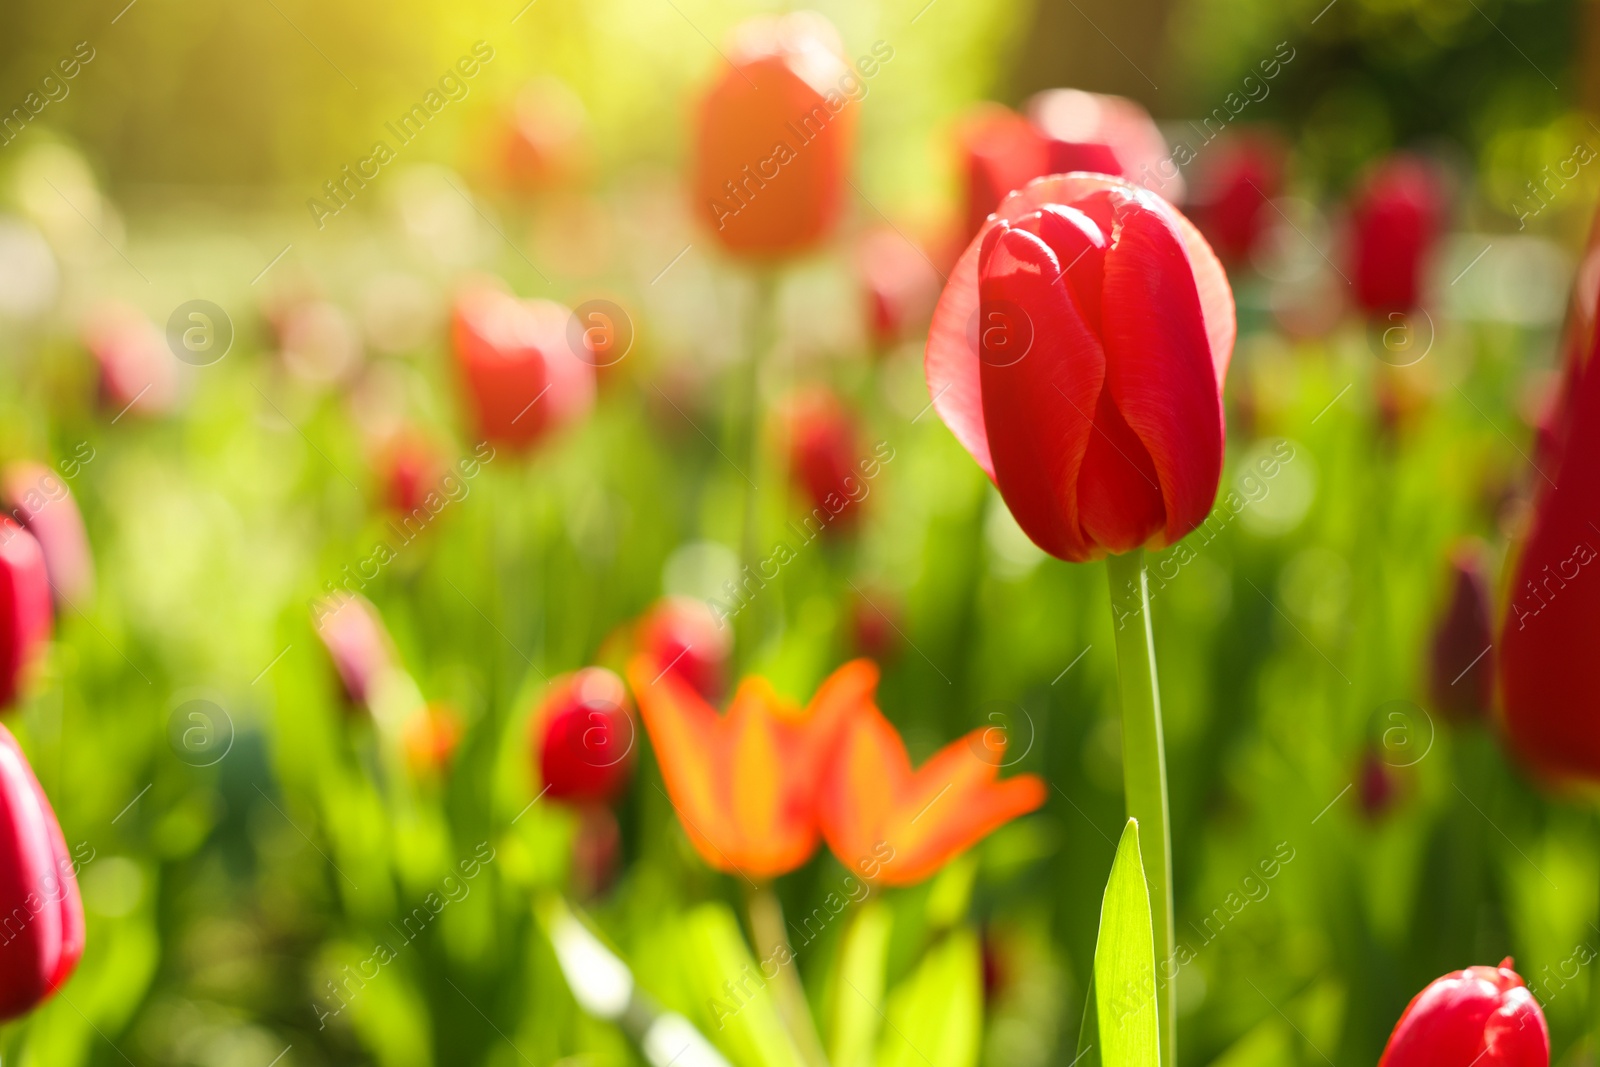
x,y
824,453
583,735
900,286
1232,204
25,613
526,372
1000,151
773,138
431,736
1104,135
1078,353
411,469
1482,1015
1378,787
38,890
1394,224
38,498
874,624
358,643
546,139
1461,671
681,636
137,372
596,851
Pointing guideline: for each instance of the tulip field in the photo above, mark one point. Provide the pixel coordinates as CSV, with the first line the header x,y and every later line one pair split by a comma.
x,y
705,533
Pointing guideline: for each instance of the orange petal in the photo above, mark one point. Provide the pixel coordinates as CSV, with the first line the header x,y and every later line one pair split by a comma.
x,y
862,785
956,824
770,787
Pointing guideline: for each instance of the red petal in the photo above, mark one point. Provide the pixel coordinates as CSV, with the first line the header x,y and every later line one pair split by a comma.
x,y
1119,491
1160,369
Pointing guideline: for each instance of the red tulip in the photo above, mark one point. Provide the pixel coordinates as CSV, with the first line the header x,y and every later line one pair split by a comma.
x,y
1394,224
523,375
411,468
1001,151
357,641
681,636
900,285
546,139
1378,785
824,453
1232,202
25,613
1078,354
1462,664
38,498
583,735
1479,1017
42,934
1105,135
773,139
137,372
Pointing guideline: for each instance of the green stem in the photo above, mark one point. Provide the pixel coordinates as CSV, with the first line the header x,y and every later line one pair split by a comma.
x,y
1144,767
772,943
749,630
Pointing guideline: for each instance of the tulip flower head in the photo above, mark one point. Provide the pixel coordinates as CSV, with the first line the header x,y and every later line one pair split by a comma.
x,y
1078,353
39,499
681,636
38,890
357,642
1000,151
745,784
1462,662
1482,1015
900,285
527,372
546,137
773,138
583,737
431,736
411,468
824,450
1232,204
1104,135
1394,224
898,826
137,371
25,612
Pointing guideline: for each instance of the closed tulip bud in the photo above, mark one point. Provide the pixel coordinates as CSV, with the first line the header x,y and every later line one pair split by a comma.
x,y
38,890
1000,151
1232,200
875,624
900,285
1461,673
411,469
522,374
583,737
25,613
39,498
1104,134
1078,353
681,637
1394,225
431,736
1378,785
824,457
357,642
137,372
773,137
596,851
1481,1016
546,138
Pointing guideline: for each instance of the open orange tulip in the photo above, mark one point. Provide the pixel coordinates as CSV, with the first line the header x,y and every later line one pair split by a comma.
x,y
897,826
745,784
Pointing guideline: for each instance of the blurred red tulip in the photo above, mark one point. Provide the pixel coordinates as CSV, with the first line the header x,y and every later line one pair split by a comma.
x,y
824,453
25,613
897,826
522,375
1105,135
357,641
411,467
1001,151
681,636
596,851
745,784
773,138
874,624
1232,201
1481,1016
900,285
38,890
1462,671
430,737
1377,785
1078,353
583,737
39,498
1394,224
546,137
137,372
319,343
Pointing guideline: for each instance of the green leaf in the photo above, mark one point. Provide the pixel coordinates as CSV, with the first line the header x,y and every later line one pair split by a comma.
x,y
857,987
737,1010
1125,963
935,1016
